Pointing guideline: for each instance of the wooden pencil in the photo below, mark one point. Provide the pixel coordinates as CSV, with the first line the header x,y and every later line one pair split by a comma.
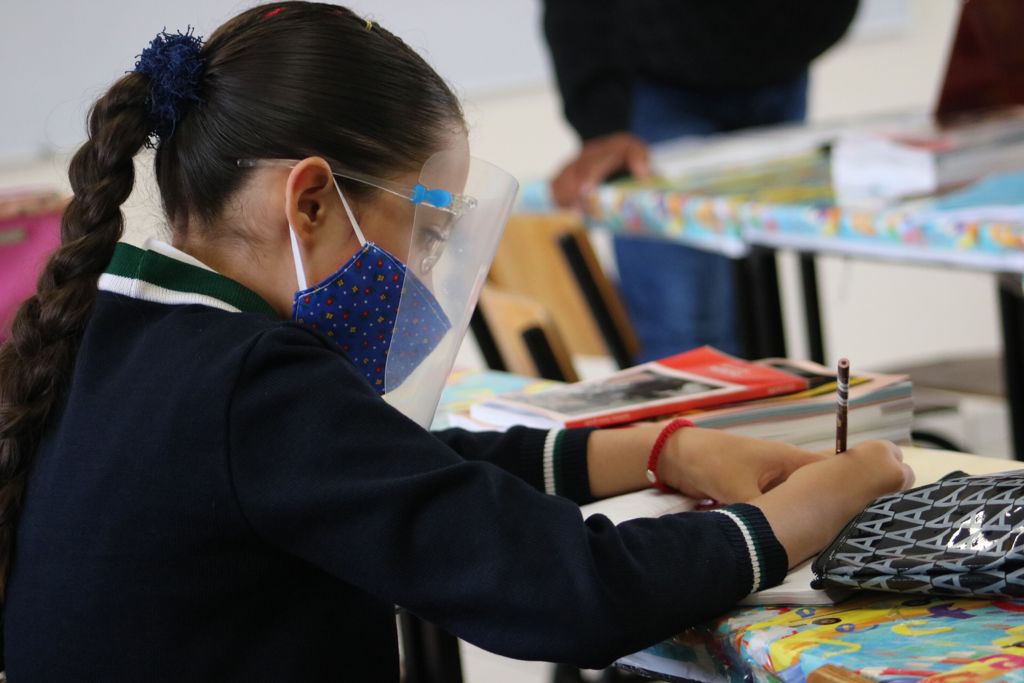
x,y
842,403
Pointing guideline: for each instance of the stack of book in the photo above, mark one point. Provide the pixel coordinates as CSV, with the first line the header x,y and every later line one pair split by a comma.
x,y
920,157
775,399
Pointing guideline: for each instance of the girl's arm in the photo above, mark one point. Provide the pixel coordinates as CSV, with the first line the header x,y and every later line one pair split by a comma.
x,y
796,490
584,465
326,472
554,461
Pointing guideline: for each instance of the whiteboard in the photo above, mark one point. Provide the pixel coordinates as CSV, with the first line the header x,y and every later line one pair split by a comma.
x,y
58,56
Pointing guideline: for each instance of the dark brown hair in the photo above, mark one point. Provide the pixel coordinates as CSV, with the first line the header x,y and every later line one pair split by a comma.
x,y
285,80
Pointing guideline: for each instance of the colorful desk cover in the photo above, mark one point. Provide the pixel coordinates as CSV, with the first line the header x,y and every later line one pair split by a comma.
x,y
876,636
895,639
789,203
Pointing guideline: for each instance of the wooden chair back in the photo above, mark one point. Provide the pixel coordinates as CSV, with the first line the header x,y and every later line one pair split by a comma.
x,y
525,335
549,259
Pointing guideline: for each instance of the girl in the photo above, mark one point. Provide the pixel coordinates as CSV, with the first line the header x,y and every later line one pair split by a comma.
x,y
211,453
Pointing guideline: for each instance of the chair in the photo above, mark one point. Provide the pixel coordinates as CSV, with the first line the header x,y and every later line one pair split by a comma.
x,y
525,335
549,259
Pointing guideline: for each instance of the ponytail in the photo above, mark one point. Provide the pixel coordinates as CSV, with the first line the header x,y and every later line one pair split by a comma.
x,y
37,361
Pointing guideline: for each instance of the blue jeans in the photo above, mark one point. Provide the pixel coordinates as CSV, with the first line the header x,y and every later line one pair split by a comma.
x,y
679,297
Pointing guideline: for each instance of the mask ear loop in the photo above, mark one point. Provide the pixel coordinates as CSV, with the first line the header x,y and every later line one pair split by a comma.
x,y
351,216
300,269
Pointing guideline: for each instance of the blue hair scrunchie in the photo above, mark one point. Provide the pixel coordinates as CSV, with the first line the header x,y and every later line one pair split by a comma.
x,y
175,68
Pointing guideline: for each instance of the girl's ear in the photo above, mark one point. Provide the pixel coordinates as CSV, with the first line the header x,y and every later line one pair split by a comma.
x,y
309,190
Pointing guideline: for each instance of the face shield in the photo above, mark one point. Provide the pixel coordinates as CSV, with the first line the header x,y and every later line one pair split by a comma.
x,y
461,207
453,218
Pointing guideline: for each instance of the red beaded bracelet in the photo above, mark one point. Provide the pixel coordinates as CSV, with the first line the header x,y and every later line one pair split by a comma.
x,y
659,443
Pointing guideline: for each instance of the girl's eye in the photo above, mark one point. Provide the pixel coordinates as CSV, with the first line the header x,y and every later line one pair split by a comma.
x,y
434,237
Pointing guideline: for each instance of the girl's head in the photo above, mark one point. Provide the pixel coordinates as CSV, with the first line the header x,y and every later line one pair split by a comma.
x,y
299,81
304,81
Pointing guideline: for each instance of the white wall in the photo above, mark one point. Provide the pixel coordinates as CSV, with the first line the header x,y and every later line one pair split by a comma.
x,y
491,50
59,55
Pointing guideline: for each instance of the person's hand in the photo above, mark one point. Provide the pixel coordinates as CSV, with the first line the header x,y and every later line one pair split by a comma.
x,y
815,502
599,158
866,471
708,463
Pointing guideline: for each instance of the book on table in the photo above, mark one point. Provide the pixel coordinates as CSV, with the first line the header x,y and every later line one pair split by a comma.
x,y
880,407
917,157
699,378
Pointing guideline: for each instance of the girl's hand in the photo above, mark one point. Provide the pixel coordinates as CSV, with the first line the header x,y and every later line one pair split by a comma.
x,y
707,463
812,505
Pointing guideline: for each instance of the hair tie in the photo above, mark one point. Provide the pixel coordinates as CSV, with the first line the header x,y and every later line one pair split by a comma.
x,y
369,24
174,67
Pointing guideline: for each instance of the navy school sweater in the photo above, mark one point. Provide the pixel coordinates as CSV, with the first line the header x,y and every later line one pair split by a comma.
x,y
223,497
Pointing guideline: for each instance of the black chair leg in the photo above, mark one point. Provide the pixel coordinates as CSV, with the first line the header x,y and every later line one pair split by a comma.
x,y
431,654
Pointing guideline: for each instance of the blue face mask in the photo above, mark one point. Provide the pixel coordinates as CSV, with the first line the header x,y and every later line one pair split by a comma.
x,y
357,307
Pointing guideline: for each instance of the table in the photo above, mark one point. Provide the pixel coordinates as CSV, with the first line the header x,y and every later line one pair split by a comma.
x,y
872,637
749,212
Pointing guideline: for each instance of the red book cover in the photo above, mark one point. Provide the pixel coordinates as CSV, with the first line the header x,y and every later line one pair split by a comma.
x,y
695,379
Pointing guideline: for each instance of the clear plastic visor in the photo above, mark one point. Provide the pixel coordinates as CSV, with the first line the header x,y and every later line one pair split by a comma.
x,y
450,250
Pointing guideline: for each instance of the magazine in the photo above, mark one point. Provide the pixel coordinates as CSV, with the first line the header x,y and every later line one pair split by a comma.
x,y
881,407
699,378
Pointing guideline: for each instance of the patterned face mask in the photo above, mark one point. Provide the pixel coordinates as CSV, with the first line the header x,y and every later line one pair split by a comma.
x,y
357,307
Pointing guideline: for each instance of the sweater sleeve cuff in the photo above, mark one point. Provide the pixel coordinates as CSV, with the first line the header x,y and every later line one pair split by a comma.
x,y
564,469
768,560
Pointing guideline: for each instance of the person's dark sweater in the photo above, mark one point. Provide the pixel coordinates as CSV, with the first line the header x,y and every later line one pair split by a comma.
x,y
601,47
223,497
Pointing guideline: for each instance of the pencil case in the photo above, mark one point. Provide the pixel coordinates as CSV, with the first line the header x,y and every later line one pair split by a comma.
x,y
961,536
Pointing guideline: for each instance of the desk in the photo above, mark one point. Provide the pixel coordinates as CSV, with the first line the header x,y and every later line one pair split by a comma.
x,y
928,232
788,204
881,637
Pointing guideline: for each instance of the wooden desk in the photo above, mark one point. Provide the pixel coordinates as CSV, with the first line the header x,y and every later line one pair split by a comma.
x,y
872,637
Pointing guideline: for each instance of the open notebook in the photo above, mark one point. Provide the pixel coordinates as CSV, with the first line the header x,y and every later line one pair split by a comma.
x,y
794,590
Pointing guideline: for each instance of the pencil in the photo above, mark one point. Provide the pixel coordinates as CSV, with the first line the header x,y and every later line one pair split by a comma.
x,y
842,400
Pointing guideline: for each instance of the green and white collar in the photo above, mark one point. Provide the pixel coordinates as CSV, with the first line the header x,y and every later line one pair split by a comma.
x,y
162,274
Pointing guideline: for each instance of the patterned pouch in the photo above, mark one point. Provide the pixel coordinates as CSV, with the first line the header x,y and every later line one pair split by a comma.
x,y
963,535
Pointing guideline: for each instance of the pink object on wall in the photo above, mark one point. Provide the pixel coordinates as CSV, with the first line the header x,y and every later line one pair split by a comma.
x,y
29,233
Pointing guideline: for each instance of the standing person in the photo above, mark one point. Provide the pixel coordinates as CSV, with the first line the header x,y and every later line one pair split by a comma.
x,y
213,464
637,72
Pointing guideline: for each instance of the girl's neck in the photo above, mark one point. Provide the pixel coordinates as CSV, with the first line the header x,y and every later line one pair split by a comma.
x,y
244,263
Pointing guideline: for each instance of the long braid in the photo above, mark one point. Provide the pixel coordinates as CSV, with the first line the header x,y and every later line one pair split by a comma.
x,y
37,361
